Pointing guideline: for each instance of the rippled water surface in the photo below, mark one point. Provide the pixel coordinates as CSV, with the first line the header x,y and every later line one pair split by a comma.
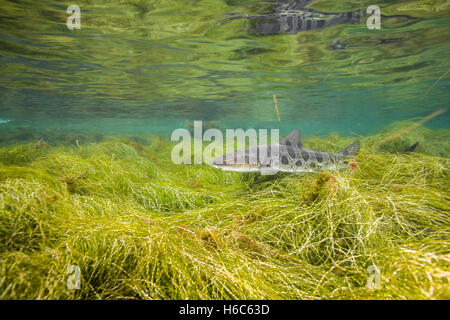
x,y
158,64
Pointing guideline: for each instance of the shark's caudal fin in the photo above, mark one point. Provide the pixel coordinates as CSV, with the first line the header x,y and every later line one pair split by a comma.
x,y
411,148
293,139
351,150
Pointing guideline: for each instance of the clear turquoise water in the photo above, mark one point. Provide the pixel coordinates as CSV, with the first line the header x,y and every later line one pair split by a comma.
x,y
143,66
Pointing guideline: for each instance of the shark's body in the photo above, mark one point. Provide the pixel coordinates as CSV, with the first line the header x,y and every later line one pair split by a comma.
x,y
290,156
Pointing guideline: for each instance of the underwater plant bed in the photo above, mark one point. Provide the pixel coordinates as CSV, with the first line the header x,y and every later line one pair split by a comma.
x,y
140,227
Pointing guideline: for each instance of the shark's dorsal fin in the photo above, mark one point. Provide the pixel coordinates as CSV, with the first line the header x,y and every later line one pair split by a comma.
x,y
293,139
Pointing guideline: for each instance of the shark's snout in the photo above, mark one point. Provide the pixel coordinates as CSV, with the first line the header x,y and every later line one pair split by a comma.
x,y
218,162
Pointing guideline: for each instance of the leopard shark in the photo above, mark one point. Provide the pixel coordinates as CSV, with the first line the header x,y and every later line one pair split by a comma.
x,y
287,156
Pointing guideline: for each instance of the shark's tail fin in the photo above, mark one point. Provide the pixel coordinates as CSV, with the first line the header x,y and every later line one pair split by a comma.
x,y
411,148
351,150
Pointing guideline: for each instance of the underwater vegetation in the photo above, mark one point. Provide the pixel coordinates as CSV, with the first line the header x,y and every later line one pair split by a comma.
x,y
20,135
140,227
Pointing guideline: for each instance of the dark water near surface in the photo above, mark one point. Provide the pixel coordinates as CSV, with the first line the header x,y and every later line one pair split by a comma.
x,y
139,66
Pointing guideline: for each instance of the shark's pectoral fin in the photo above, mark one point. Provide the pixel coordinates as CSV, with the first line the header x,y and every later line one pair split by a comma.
x,y
268,171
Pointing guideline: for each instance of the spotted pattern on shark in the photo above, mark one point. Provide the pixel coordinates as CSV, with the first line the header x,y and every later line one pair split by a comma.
x,y
292,156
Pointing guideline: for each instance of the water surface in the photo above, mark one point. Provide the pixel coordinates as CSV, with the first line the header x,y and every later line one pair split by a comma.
x,y
138,66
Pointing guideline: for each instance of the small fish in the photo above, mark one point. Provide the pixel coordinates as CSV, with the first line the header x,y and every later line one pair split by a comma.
x,y
291,156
